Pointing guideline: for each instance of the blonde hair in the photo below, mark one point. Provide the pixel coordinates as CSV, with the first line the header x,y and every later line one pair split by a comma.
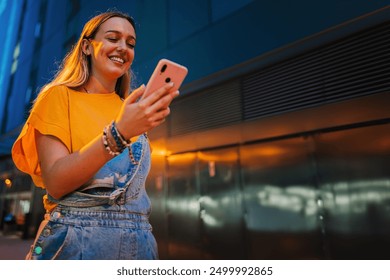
x,y
75,68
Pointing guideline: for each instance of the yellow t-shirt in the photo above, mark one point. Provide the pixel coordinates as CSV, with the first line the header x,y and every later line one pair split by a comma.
x,y
74,117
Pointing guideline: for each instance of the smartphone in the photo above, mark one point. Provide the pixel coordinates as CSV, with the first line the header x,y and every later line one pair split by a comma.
x,y
165,72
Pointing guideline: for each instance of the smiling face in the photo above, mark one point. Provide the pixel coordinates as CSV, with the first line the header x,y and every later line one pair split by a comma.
x,y
111,50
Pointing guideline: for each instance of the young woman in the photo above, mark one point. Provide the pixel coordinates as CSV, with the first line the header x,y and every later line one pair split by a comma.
x,y
85,142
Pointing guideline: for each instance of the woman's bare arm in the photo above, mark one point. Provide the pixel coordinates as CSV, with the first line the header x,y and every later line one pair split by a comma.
x,y
64,172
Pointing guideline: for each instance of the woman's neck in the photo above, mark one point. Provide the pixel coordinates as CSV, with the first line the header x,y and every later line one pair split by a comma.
x,y
94,85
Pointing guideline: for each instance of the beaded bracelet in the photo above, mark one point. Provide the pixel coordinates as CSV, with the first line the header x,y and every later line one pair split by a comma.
x,y
112,145
126,143
119,139
106,143
120,142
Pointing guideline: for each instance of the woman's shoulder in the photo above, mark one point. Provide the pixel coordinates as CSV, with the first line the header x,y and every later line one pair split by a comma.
x,y
53,93
57,89
53,97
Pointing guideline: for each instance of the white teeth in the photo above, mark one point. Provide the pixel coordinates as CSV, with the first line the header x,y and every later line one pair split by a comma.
x,y
117,59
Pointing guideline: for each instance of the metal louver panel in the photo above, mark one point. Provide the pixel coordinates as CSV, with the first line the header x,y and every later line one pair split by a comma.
x,y
355,66
210,108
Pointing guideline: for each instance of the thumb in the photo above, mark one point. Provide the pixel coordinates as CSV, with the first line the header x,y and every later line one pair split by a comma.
x,y
135,94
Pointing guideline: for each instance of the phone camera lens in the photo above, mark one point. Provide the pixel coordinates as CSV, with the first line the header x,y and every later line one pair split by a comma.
x,y
167,80
163,68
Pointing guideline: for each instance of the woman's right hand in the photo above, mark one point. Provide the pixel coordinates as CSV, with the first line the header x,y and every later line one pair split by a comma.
x,y
137,117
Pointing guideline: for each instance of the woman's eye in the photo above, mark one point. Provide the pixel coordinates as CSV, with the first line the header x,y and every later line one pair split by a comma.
x,y
131,46
112,39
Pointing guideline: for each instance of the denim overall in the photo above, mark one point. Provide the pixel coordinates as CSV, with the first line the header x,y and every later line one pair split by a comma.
x,y
107,218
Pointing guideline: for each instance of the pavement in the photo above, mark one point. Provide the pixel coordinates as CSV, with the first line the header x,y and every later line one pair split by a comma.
x,y
13,247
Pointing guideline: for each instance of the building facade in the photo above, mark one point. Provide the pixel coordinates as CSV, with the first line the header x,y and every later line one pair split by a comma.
x,y
219,41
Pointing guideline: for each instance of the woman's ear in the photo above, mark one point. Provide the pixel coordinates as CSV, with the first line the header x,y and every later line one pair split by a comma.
x,y
86,47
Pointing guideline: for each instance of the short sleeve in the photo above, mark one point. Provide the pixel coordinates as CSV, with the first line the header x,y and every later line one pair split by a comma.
x,y
50,116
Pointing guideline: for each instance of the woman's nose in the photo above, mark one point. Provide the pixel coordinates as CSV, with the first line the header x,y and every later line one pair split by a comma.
x,y
121,45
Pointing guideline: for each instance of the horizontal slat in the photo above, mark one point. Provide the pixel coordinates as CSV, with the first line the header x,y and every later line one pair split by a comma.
x,y
356,66
211,108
